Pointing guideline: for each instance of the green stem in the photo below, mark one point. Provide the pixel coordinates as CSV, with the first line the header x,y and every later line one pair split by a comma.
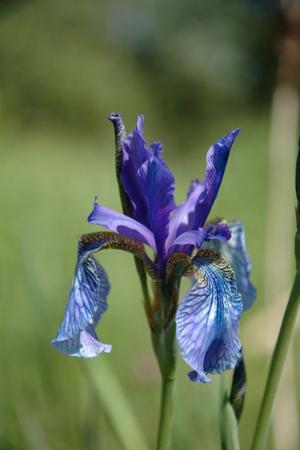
x,y
166,413
164,348
143,280
228,422
277,363
229,428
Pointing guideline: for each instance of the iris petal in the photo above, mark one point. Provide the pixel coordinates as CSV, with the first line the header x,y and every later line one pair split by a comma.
x,y
196,238
208,318
236,252
158,185
86,304
216,161
85,344
192,214
180,217
135,153
115,221
220,232
149,184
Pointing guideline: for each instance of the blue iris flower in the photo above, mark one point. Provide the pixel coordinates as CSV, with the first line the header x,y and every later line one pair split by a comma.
x,y
184,243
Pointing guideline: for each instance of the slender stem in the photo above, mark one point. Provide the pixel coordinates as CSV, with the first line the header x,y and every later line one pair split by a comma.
x,y
229,432
164,348
277,363
166,413
230,438
143,280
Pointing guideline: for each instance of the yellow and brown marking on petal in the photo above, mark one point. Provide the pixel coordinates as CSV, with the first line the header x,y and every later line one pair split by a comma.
x,y
112,240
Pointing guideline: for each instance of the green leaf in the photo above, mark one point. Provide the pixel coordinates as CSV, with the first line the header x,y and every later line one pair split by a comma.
x,y
113,399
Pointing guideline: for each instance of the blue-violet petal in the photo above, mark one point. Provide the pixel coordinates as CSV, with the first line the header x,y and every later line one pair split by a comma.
x,y
149,184
196,238
115,221
236,252
192,214
208,318
158,184
86,304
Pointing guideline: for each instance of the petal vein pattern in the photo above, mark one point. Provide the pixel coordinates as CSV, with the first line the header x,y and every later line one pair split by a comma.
x,y
235,251
149,185
87,299
158,185
86,304
208,318
135,154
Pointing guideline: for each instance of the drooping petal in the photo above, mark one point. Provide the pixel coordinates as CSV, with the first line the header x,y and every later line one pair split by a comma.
x,y
90,287
236,252
115,221
111,240
193,213
83,345
208,318
86,304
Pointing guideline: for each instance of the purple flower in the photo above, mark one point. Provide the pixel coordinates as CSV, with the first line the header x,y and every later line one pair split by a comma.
x,y
184,244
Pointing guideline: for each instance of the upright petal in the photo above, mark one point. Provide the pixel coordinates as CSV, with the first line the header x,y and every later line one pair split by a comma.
x,y
156,149
158,184
180,219
216,161
193,213
236,252
86,304
208,318
149,184
115,221
135,153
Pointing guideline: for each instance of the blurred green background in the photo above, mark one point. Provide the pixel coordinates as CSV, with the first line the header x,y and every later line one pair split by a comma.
x,y
195,69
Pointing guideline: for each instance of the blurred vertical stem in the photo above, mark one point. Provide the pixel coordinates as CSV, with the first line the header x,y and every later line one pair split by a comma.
x,y
278,359
164,348
282,145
